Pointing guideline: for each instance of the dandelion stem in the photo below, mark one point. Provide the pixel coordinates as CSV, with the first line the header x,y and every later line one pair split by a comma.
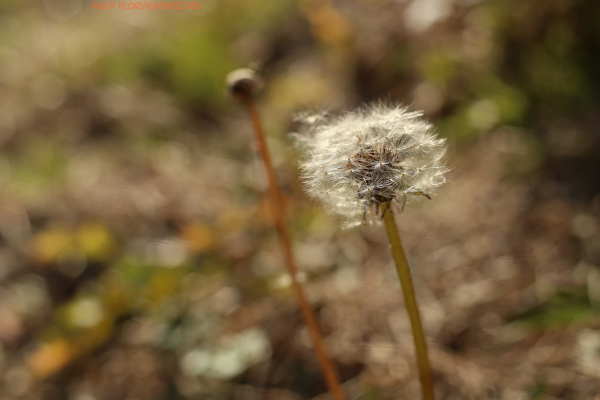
x,y
331,376
410,302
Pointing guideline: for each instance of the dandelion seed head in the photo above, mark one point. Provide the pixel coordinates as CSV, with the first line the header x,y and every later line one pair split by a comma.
x,y
375,155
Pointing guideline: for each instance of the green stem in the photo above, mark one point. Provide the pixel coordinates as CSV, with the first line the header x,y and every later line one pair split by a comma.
x,y
410,302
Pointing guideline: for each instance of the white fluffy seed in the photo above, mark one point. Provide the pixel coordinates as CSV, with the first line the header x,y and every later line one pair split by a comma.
x,y
397,157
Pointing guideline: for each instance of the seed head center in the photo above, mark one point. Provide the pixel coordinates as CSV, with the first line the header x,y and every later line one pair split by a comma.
x,y
372,168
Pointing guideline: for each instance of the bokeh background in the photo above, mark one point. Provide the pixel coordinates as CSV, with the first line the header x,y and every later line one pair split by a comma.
x,y
138,260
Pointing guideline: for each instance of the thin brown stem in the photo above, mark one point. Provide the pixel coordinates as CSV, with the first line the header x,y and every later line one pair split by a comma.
x,y
331,376
410,302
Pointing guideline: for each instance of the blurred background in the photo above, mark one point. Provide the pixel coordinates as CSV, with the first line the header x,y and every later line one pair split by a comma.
x,y
138,260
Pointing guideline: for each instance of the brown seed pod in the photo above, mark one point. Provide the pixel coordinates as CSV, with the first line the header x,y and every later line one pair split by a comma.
x,y
244,84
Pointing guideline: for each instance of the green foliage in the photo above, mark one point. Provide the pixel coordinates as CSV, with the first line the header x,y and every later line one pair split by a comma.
x,y
560,311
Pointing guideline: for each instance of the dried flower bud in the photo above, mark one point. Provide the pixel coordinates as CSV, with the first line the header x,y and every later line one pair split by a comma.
x,y
375,155
243,84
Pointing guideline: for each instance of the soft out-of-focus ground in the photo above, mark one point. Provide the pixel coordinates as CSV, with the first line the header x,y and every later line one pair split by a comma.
x,y
137,256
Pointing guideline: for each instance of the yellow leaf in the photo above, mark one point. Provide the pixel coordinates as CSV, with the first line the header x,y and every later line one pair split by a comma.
x,y
198,237
50,358
46,246
95,241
